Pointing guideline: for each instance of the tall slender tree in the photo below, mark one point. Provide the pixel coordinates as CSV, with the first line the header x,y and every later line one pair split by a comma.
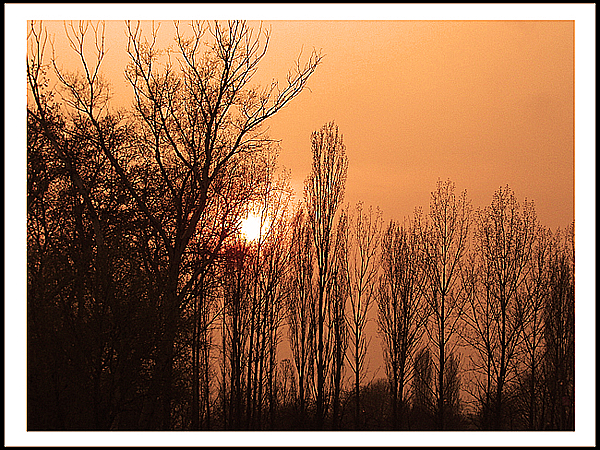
x,y
444,242
324,193
505,236
559,334
299,306
535,291
423,391
339,325
365,236
271,264
401,314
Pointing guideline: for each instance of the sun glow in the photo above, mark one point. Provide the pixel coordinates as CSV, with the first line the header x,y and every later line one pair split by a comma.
x,y
251,227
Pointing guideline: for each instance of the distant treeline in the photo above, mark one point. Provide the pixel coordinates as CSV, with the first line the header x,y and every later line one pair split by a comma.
x,y
148,309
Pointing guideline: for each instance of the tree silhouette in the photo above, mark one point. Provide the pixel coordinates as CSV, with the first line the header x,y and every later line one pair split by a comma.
x,y
559,334
324,193
339,320
192,125
423,392
269,296
535,292
444,243
300,306
365,236
86,258
505,236
401,313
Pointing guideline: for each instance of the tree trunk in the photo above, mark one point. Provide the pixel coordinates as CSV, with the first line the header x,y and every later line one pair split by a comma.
x,y
320,364
357,390
442,344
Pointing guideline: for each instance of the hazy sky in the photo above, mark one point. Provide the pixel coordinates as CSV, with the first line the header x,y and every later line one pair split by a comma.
x,y
484,103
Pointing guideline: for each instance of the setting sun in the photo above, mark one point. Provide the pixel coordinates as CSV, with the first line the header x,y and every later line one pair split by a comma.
x,y
251,227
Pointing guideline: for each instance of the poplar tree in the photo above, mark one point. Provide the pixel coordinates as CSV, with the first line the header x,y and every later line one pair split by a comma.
x,y
324,193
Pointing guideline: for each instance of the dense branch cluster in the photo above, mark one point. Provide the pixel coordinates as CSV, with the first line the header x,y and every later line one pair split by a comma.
x,y
148,309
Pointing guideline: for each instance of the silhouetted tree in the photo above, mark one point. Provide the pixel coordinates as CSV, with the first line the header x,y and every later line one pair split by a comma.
x,y
324,192
401,314
271,293
365,236
452,386
505,236
87,256
444,242
216,230
192,124
559,334
340,293
238,302
535,293
479,335
300,305
374,399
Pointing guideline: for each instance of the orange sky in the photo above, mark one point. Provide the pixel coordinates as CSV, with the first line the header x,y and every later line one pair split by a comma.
x,y
484,103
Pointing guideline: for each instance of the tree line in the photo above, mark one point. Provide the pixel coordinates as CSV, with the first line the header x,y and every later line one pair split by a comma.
x,y
147,309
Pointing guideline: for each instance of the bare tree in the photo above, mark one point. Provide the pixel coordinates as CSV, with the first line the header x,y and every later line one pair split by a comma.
x,y
505,237
237,303
453,387
339,326
535,293
401,314
300,304
559,334
363,244
287,382
216,230
444,244
479,335
324,192
194,121
86,258
270,294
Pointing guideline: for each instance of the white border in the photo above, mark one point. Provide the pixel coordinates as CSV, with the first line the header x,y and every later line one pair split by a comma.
x,y
15,214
